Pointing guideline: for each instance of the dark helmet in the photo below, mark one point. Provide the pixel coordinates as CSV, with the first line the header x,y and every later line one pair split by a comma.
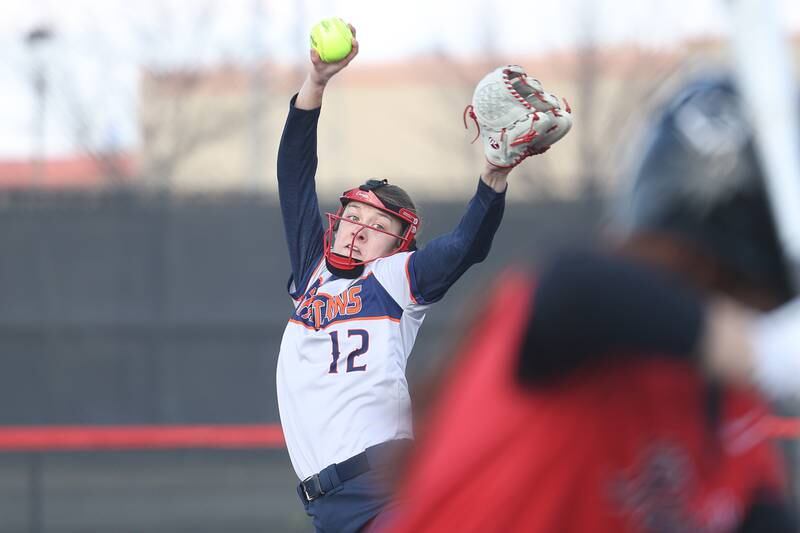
x,y
696,175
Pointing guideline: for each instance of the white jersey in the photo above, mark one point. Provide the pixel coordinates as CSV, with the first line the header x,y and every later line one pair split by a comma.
x,y
341,369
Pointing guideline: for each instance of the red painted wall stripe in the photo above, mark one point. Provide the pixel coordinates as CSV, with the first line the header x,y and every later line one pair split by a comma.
x,y
251,436
86,438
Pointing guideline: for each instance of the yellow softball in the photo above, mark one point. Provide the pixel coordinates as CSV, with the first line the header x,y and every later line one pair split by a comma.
x,y
332,39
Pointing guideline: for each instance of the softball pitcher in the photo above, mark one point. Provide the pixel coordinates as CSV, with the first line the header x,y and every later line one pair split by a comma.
x,y
361,288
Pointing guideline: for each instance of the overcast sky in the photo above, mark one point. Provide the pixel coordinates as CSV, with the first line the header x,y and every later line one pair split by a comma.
x,y
98,46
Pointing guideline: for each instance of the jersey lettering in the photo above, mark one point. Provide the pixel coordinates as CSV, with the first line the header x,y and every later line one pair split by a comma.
x,y
361,350
334,352
319,310
351,367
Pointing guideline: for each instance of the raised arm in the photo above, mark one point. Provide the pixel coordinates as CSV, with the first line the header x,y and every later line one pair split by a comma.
x,y
516,119
437,266
310,95
297,166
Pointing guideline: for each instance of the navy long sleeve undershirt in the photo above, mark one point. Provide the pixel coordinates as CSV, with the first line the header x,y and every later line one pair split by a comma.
x,y
433,268
438,265
302,222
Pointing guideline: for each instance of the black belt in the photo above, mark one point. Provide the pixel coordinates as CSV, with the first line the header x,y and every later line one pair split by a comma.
x,y
378,457
313,487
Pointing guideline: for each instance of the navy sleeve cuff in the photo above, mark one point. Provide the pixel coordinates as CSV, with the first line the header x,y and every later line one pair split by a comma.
x,y
488,194
295,112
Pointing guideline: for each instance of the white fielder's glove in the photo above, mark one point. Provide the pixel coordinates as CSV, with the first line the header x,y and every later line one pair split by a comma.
x,y
776,344
516,118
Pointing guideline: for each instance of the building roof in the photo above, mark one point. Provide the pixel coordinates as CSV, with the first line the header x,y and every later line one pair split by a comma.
x,y
80,171
428,69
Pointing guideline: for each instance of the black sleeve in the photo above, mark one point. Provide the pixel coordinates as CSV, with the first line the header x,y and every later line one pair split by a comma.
x,y
589,306
772,516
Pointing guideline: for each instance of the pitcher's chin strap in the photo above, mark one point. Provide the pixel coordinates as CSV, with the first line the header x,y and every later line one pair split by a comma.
x,y
346,273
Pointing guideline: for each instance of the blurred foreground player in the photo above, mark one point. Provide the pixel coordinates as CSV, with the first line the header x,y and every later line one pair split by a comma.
x,y
614,392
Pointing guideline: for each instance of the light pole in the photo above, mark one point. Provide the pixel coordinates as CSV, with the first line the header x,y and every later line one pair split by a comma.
x,y
255,178
35,40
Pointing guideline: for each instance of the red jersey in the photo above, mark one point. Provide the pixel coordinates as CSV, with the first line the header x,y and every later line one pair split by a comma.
x,y
621,447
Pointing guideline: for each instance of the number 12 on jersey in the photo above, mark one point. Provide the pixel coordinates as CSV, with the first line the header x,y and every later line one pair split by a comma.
x,y
351,366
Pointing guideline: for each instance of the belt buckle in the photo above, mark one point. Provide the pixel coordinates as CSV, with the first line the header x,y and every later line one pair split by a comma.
x,y
316,487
